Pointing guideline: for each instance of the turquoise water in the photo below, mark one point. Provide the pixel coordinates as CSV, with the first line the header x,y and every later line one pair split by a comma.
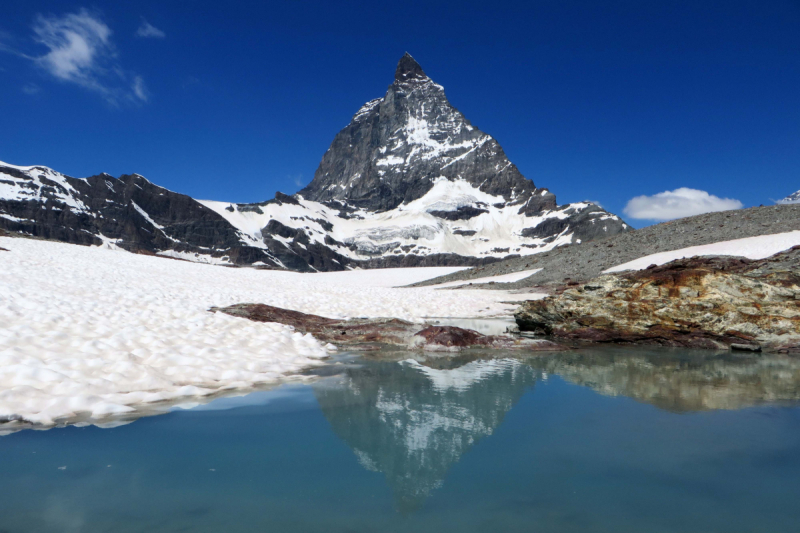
x,y
602,440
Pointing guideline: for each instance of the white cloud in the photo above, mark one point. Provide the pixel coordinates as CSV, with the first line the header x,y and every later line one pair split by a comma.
x,y
683,202
147,30
81,52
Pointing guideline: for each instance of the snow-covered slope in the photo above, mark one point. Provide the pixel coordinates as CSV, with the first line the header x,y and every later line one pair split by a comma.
x,y
419,228
93,332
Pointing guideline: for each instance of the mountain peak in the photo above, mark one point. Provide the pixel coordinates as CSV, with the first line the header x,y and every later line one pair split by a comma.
x,y
408,70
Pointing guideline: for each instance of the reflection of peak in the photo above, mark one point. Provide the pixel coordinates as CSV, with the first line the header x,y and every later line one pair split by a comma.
x,y
413,422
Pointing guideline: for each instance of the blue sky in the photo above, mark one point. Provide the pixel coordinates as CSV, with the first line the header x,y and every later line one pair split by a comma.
x,y
232,101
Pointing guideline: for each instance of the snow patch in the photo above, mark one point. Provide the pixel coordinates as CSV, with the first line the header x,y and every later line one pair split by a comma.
x,y
750,247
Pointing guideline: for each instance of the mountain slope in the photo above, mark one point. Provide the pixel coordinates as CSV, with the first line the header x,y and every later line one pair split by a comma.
x,y
793,198
409,182
129,213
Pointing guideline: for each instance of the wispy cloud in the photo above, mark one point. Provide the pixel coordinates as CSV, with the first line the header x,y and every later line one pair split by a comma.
x,y
31,88
683,202
148,31
80,51
139,89
297,180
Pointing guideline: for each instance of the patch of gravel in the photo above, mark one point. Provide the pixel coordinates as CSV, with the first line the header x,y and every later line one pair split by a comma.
x,y
581,262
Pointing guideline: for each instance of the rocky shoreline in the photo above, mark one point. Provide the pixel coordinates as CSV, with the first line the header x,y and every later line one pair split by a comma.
x,y
373,334
700,302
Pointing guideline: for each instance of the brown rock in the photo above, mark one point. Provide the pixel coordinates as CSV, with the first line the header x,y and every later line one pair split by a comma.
x,y
703,302
368,334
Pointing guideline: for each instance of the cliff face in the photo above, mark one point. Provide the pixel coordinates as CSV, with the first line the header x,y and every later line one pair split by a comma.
x,y
395,147
704,302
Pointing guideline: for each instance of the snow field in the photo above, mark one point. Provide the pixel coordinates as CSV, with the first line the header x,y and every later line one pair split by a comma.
x,y
751,247
96,332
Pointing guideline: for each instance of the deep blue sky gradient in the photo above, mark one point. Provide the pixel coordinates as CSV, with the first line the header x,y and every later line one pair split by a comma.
x,y
595,100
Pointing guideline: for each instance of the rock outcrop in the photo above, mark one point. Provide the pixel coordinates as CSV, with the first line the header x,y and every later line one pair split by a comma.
x,y
704,302
369,334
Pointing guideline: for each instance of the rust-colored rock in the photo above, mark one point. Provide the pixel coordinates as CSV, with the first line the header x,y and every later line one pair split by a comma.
x,y
703,302
452,336
366,334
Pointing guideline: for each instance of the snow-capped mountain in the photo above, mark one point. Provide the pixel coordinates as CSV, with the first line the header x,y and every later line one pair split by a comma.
x,y
408,182
793,198
129,212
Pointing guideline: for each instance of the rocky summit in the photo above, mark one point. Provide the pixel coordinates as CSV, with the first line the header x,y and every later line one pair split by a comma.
x,y
409,182
396,147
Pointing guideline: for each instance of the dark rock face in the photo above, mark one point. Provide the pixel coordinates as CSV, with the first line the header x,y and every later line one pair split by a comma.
x,y
462,213
395,146
130,211
701,302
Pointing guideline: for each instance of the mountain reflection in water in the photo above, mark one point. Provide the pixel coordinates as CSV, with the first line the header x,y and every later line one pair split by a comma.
x,y
412,421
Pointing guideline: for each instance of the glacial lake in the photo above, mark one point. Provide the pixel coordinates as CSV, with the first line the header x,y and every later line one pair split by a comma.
x,y
597,440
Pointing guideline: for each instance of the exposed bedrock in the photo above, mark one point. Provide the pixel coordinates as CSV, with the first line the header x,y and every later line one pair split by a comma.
x,y
369,333
703,302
